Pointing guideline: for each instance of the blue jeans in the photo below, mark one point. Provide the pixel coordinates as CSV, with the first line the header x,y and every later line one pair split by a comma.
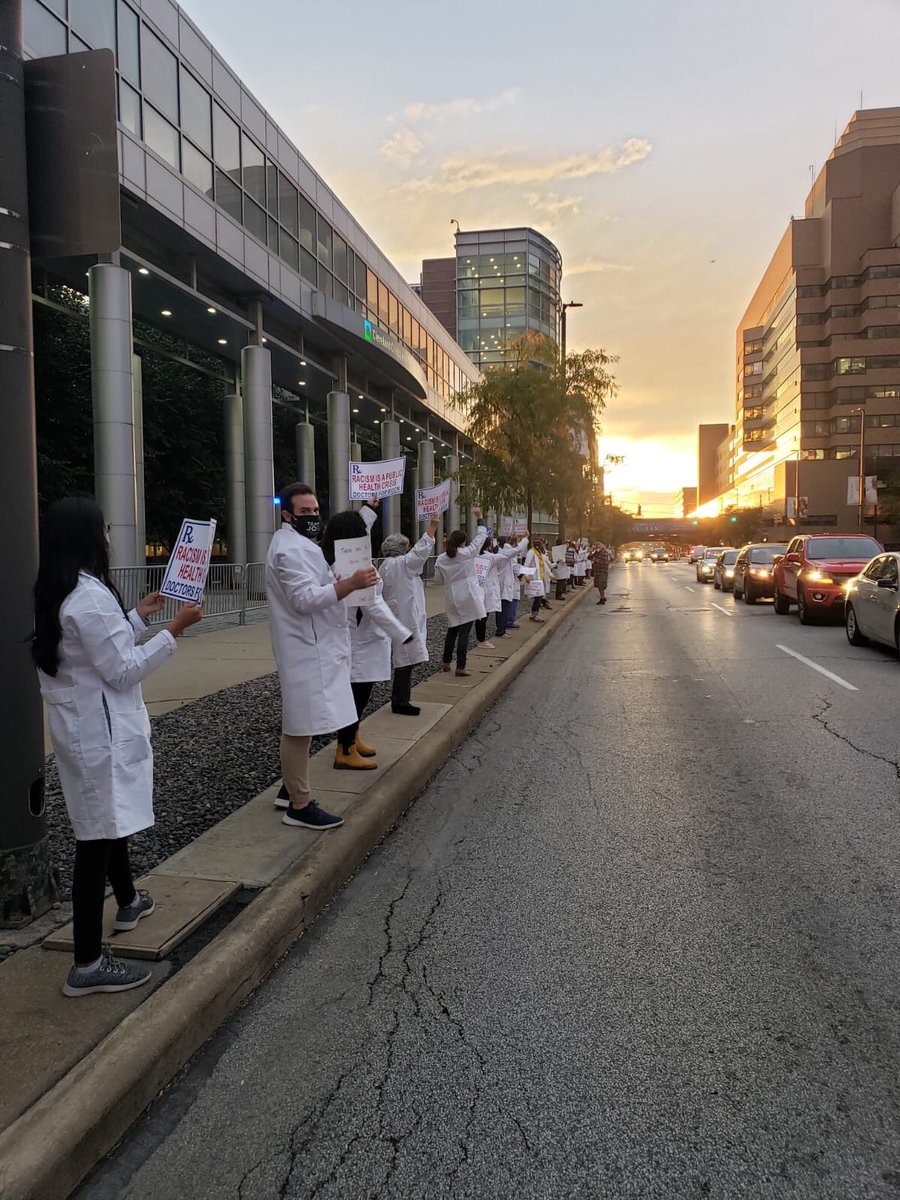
x,y
513,610
502,618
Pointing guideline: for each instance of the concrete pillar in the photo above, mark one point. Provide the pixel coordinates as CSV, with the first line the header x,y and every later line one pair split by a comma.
x,y
137,391
235,497
390,505
305,444
259,477
425,462
472,524
452,468
112,385
338,452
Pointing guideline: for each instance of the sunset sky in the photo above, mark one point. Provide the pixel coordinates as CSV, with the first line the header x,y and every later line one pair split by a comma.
x,y
663,147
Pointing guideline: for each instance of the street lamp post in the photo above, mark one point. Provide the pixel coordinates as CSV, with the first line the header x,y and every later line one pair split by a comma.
x,y
861,485
563,514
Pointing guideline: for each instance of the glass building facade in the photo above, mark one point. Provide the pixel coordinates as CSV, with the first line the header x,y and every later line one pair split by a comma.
x,y
180,100
507,285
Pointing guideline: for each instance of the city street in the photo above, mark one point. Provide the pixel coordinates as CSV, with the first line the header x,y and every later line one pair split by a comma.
x,y
639,938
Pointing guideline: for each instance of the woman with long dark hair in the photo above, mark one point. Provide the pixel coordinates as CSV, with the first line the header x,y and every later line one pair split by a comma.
x,y
463,598
373,631
90,669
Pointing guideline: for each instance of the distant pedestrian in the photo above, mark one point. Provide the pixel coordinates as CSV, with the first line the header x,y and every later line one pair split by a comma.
x,y
487,573
534,583
508,553
311,644
90,669
463,599
404,592
600,571
571,558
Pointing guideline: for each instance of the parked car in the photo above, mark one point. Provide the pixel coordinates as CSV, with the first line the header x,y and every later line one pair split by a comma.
x,y
659,554
706,565
872,611
753,571
723,572
696,554
814,570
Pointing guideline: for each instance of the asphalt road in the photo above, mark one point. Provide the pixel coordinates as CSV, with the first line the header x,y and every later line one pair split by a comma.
x,y
640,938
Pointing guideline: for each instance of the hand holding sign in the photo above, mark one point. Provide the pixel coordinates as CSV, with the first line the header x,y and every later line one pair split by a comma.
x,y
432,501
187,615
188,567
152,603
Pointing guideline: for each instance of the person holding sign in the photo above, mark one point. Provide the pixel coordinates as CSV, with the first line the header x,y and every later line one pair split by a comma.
x,y
311,644
534,571
373,628
509,583
463,600
486,568
90,669
404,593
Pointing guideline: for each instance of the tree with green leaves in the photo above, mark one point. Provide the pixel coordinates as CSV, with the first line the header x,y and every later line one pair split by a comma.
x,y
536,428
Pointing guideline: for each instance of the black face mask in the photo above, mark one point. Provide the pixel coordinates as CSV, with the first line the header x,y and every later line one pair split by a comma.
x,y
308,525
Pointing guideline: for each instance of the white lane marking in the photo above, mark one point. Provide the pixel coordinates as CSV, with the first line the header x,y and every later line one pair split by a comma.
x,y
815,666
726,611
689,589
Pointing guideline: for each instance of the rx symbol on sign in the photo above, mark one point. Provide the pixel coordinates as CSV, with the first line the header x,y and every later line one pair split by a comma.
x,y
189,535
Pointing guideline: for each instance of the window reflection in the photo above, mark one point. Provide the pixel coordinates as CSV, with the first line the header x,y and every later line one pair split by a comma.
x,y
159,74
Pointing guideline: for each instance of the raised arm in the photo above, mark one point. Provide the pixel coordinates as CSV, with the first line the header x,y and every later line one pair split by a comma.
x,y
473,549
108,641
415,559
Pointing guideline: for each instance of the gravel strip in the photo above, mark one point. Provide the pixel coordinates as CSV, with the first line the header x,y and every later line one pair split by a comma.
x,y
210,758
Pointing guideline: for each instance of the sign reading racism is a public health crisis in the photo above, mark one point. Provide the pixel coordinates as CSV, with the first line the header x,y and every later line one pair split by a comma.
x,y
188,567
373,480
432,501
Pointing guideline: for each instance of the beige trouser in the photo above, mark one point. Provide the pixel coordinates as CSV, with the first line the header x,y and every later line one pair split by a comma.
x,y
295,768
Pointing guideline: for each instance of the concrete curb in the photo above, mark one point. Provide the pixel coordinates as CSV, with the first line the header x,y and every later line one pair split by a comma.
x,y
50,1148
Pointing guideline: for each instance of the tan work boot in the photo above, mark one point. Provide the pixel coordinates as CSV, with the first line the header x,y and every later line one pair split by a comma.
x,y
352,761
362,749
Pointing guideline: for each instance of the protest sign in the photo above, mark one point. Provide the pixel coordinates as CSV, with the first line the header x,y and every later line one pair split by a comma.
x,y
432,501
506,526
188,568
520,526
373,480
528,571
482,567
558,553
350,555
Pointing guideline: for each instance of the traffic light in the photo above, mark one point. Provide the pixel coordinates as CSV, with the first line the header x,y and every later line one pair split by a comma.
x,y
733,520
695,522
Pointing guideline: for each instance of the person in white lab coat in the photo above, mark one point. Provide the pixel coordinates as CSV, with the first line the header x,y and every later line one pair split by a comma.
x,y
463,600
373,629
562,578
404,593
581,563
487,572
548,575
90,669
534,582
507,574
311,644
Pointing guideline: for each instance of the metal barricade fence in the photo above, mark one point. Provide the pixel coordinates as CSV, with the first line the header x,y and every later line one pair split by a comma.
x,y
232,589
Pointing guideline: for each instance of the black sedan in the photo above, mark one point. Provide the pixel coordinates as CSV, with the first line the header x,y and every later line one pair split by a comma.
x,y
753,571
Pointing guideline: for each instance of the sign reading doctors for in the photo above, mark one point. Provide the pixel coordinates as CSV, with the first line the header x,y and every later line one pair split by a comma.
x,y
373,480
188,567
432,501
520,526
350,555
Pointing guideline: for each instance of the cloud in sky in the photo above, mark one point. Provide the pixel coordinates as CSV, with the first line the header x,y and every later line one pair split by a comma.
x,y
402,148
594,266
462,173
461,106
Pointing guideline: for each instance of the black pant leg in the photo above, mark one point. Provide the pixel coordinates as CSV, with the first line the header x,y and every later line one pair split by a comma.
x,y
462,645
450,642
88,890
119,872
402,687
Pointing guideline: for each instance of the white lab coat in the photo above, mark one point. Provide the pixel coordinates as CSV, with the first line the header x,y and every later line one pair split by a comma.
x,y
404,593
463,597
372,638
491,584
310,637
563,571
581,564
534,584
98,722
509,586
548,573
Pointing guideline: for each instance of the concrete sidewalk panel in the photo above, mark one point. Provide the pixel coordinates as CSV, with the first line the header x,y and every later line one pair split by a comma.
x,y
43,1033
324,778
182,903
385,724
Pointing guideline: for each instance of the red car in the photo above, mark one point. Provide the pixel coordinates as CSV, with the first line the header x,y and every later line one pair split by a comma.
x,y
813,572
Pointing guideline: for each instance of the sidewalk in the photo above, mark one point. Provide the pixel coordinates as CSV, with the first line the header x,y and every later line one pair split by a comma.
x,y
95,1064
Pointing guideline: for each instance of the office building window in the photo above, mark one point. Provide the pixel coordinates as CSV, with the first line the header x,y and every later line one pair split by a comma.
x,y
196,112
159,74
339,250
226,143
228,195
128,59
308,266
253,170
161,136
307,225
43,34
95,22
255,219
324,242
196,168
130,108
287,206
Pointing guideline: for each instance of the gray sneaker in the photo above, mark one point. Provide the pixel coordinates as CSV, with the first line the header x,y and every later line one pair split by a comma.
x,y
113,975
127,918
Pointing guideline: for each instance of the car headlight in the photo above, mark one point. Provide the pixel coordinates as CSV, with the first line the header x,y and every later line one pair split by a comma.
x,y
817,576
760,571
729,572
